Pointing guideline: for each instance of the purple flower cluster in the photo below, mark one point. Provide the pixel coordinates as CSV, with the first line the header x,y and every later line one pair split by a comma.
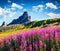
x,y
44,39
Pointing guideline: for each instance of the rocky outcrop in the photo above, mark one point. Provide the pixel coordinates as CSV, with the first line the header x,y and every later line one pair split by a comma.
x,y
25,18
3,24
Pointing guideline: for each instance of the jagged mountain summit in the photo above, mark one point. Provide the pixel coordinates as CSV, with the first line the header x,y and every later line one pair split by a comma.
x,y
4,24
25,18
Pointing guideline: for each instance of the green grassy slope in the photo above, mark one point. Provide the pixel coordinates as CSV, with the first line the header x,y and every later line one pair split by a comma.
x,y
36,23
43,23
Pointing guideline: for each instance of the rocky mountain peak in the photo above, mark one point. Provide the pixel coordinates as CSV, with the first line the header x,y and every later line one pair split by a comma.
x,y
23,19
4,23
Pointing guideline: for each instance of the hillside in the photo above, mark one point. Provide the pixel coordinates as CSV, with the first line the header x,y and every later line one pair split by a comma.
x,y
44,39
36,23
43,23
37,32
24,18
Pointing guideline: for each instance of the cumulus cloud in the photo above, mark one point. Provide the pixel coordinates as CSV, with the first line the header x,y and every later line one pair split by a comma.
x,y
53,15
12,14
9,1
1,11
24,9
14,5
10,11
12,8
51,5
6,11
38,8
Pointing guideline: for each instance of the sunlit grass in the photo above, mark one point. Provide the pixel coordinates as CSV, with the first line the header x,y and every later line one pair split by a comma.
x,y
39,39
12,31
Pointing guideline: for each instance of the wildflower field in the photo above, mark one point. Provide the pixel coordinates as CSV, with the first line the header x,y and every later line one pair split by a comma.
x,y
44,39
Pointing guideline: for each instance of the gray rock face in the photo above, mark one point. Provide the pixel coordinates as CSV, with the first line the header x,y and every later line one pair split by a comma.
x,y
3,24
25,18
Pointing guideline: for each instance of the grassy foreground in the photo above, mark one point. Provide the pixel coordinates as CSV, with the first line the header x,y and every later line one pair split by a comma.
x,y
34,36
44,39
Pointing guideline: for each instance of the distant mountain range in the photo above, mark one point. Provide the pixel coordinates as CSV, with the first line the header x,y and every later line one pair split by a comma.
x,y
24,19
32,24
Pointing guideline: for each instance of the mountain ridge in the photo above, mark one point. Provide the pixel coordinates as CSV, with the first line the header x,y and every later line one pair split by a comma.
x,y
25,18
33,24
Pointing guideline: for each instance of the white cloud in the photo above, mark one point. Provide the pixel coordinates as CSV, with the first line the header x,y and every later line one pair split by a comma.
x,y
51,5
14,5
5,11
24,9
38,8
9,1
1,11
53,15
10,11
12,8
12,14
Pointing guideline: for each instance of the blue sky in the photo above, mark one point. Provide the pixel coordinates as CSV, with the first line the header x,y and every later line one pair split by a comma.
x,y
37,9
